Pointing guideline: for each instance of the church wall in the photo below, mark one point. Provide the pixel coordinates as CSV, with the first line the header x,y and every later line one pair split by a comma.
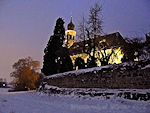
x,y
115,58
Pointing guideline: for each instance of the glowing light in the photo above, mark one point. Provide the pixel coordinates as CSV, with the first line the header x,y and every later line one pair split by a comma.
x,y
4,85
83,56
70,37
114,59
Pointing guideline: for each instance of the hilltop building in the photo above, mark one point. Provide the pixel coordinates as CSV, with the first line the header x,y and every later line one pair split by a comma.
x,y
114,41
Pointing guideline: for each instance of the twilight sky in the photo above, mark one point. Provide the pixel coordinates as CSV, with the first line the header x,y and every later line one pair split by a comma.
x,y
25,25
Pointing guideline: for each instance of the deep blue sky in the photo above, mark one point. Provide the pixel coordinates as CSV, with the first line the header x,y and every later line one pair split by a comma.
x,y
25,25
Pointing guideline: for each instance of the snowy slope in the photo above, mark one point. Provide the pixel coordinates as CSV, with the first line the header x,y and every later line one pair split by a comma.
x,y
123,66
77,72
33,102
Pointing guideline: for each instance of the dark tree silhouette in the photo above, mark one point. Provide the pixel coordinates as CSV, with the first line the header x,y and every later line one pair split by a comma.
x,y
63,60
95,20
54,43
80,63
93,24
91,62
82,26
133,49
104,57
89,29
56,58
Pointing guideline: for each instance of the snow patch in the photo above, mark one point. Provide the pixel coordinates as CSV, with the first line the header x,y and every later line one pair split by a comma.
x,y
77,72
147,66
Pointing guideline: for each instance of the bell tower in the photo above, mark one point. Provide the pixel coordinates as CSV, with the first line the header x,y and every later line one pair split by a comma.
x,y
70,34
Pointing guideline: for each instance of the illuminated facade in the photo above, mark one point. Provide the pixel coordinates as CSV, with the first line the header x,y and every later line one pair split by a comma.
x,y
115,43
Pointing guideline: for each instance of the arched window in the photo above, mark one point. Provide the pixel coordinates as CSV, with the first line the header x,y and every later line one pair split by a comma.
x,y
70,36
67,36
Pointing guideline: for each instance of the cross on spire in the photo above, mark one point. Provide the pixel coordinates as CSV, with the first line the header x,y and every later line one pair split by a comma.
x,y
71,18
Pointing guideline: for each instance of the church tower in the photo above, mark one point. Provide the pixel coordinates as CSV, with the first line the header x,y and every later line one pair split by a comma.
x,y
70,34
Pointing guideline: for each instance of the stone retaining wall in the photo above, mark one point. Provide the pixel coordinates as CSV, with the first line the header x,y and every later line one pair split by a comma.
x,y
117,76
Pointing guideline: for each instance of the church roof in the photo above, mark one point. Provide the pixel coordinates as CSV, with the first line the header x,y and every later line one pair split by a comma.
x,y
113,40
71,26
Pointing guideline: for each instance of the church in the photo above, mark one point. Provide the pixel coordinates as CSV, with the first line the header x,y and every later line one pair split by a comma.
x,y
115,43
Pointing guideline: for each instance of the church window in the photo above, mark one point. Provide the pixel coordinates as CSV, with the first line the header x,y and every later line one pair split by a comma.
x,y
70,36
67,37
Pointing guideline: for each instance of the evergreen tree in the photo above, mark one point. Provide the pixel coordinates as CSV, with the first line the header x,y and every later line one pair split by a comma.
x,y
64,62
54,43
56,58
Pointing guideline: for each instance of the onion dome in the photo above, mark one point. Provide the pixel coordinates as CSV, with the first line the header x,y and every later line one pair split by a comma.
x,y
71,26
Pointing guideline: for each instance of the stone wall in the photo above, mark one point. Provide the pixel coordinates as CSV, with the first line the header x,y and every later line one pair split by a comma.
x,y
116,76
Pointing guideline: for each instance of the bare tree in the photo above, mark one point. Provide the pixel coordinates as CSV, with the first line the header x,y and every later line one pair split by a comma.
x,y
81,29
95,23
95,20
103,56
89,29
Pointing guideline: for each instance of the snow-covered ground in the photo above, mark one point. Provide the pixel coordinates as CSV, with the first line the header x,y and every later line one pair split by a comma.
x,y
33,102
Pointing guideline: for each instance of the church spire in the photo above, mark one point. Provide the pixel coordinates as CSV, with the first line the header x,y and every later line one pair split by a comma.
x,y
71,26
71,18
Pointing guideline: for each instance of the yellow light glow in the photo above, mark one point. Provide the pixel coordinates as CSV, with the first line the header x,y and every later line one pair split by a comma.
x,y
83,56
70,37
71,32
115,57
